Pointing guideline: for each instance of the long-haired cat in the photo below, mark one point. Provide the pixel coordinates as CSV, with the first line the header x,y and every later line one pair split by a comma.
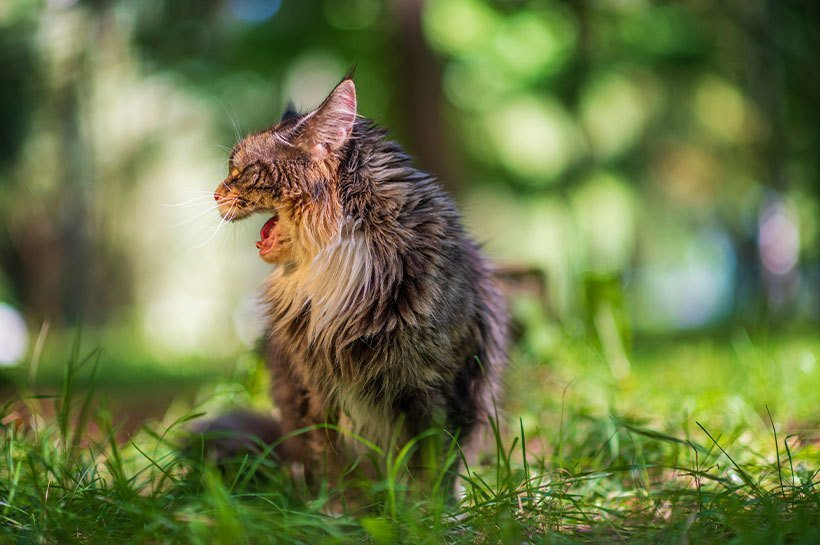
x,y
382,316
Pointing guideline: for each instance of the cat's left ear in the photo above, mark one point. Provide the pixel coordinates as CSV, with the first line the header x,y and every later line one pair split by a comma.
x,y
328,128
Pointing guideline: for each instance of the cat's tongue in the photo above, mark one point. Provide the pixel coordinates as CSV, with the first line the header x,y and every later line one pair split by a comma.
x,y
268,235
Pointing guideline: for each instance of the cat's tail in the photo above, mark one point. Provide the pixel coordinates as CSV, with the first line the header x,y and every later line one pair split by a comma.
x,y
232,435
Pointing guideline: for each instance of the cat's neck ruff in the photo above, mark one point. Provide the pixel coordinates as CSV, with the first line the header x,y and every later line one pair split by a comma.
x,y
332,287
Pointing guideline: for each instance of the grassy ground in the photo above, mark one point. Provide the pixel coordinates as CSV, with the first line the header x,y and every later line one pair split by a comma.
x,y
694,441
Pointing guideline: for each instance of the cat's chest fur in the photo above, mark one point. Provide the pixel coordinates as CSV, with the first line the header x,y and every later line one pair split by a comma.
x,y
359,326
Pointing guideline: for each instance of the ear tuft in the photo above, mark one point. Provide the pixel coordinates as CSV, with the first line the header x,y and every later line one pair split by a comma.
x,y
330,125
350,72
290,112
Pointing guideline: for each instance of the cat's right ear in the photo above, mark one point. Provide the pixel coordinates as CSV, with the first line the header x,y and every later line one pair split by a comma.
x,y
327,129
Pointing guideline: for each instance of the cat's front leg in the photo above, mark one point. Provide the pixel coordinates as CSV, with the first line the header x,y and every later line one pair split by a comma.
x,y
308,422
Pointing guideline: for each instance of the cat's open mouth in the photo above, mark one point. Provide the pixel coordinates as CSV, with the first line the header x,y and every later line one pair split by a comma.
x,y
268,234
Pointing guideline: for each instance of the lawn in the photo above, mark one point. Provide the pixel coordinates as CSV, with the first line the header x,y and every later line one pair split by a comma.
x,y
709,439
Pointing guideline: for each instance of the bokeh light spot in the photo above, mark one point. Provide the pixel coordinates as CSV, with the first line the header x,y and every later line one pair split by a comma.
x,y
254,11
605,212
474,84
530,44
310,77
778,238
13,335
534,138
614,112
721,109
687,283
457,26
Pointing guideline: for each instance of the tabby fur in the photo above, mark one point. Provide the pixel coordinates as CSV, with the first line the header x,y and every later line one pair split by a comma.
x,y
383,317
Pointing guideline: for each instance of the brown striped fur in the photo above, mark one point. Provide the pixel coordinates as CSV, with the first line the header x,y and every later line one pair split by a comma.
x,y
383,317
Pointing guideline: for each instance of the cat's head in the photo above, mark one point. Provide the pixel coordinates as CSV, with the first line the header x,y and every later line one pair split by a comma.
x,y
289,171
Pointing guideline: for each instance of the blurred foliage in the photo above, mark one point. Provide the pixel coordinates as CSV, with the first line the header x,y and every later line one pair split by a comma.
x,y
659,161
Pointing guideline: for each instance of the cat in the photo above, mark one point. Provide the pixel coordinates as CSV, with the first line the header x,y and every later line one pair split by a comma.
x,y
383,317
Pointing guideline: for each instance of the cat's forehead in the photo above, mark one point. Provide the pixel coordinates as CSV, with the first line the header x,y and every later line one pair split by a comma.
x,y
255,146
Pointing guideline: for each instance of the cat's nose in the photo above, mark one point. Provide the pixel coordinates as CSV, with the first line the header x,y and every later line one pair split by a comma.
x,y
216,197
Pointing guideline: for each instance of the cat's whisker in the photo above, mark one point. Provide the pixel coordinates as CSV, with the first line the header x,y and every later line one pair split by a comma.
x,y
206,211
229,214
199,192
192,202
207,203
210,199
234,119
221,223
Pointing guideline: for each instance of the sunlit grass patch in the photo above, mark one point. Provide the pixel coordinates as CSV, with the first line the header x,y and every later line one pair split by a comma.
x,y
560,472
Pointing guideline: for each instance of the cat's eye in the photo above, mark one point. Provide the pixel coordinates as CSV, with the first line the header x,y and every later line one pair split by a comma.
x,y
234,172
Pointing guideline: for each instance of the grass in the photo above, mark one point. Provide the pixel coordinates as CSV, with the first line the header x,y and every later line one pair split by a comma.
x,y
703,441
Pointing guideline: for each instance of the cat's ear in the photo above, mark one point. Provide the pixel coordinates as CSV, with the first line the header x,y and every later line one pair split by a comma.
x,y
328,128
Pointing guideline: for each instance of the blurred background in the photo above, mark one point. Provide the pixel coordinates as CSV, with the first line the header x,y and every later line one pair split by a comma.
x,y
657,161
